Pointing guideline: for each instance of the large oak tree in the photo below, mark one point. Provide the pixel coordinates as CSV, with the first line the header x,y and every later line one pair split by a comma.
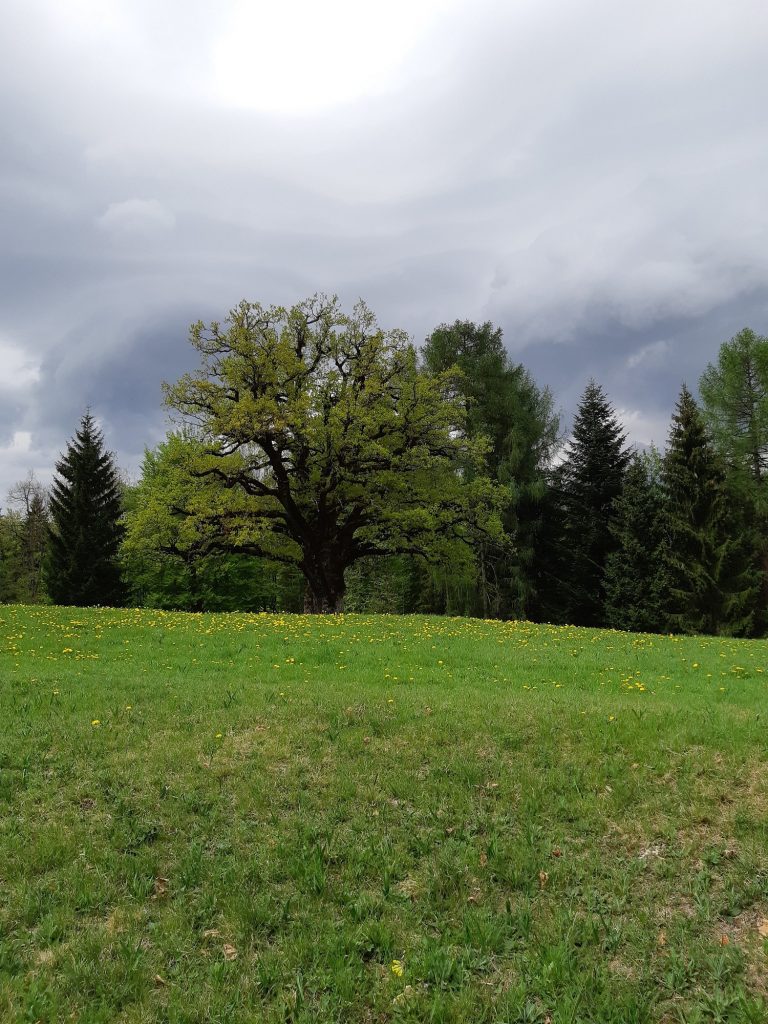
x,y
319,442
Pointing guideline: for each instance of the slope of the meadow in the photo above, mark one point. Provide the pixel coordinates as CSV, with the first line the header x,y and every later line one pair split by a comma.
x,y
233,818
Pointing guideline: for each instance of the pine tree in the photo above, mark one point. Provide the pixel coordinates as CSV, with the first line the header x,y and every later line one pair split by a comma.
x,y
82,566
714,582
585,487
637,572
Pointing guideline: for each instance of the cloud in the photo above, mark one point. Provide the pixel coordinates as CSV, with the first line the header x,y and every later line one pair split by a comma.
x,y
652,354
18,457
132,217
644,429
18,369
590,176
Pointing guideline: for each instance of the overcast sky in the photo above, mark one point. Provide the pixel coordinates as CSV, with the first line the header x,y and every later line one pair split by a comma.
x,y
591,176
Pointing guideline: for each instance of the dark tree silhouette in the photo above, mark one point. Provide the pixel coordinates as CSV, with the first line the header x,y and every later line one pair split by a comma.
x,y
82,566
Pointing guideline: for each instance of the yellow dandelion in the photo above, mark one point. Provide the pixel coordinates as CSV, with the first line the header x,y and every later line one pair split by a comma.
x,y
96,721
397,968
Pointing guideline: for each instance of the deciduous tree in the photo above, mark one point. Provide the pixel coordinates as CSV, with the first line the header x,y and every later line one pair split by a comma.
x,y
29,501
322,443
164,560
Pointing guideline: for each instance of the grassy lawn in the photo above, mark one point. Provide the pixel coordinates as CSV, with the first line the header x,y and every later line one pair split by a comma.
x,y
368,818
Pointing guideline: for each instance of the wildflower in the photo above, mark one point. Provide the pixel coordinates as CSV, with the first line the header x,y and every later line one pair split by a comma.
x,y
397,968
96,721
218,735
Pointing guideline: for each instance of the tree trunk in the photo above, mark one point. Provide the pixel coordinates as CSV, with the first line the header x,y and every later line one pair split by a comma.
x,y
325,587
322,603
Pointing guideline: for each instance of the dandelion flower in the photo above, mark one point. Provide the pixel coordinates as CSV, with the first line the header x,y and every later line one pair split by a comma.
x,y
96,721
397,968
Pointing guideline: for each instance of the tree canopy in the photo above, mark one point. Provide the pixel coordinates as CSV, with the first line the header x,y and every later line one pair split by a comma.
x,y
321,443
734,393
504,404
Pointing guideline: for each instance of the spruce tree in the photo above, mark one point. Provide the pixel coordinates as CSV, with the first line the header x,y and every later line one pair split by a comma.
x,y
82,567
586,485
714,583
637,572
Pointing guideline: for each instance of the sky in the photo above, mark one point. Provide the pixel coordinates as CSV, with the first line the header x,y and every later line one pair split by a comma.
x,y
591,176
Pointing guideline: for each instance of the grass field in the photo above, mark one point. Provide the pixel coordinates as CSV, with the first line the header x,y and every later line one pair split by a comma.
x,y
368,818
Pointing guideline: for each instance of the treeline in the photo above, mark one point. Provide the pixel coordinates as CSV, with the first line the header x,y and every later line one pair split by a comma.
x,y
324,465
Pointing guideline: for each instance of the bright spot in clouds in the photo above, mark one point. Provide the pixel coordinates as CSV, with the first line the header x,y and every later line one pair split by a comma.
x,y
299,56
17,367
136,217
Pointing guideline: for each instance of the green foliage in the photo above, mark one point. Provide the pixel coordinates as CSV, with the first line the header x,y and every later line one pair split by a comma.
x,y
29,500
82,565
503,404
391,585
163,566
584,488
11,558
23,543
734,394
321,443
714,582
637,571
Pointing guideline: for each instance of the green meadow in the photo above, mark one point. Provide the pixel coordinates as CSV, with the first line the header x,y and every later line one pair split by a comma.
x,y
277,818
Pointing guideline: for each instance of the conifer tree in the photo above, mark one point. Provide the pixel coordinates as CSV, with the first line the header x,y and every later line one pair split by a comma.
x,y
714,583
734,393
504,404
637,572
586,485
82,566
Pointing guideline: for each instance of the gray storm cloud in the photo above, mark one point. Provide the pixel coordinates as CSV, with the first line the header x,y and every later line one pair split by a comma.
x,y
590,176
